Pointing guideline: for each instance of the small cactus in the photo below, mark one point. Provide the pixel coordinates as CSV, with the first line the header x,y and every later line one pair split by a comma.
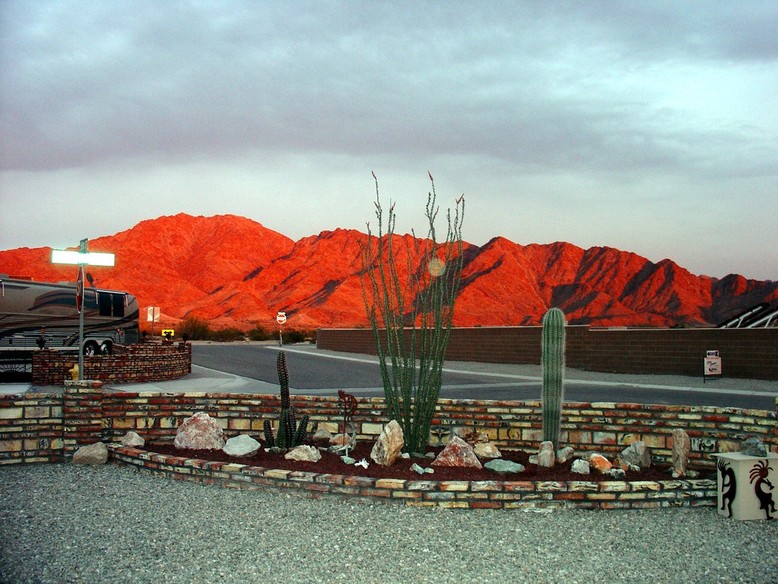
x,y
553,362
289,433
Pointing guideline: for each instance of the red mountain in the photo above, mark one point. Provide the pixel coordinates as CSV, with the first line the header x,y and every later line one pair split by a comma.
x,y
234,272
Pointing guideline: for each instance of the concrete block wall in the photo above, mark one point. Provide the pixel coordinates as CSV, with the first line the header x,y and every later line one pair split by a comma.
x,y
746,353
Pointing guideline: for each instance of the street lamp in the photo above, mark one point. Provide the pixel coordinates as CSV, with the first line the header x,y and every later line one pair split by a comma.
x,y
81,258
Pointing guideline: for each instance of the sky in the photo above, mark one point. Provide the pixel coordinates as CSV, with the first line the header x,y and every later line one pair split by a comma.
x,y
651,127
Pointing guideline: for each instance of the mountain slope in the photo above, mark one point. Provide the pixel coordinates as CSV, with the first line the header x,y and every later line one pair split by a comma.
x,y
234,272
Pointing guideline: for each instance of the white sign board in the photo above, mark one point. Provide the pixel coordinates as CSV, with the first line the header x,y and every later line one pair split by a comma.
x,y
152,314
62,256
281,318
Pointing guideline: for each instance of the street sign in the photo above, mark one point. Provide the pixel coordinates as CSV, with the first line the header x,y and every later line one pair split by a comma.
x,y
281,317
81,258
712,365
152,314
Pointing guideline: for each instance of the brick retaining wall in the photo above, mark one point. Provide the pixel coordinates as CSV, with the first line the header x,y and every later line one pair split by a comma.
x,y
746,353
138,363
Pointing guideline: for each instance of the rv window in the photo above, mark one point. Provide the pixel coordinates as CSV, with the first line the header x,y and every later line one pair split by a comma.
x,y
118,304
104,301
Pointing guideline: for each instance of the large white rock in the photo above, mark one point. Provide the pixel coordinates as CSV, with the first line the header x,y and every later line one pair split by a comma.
x,y
303,453
580,467
200,432
636,454
96,453
546,454
486,450
133,439
388,445
243,445
681,445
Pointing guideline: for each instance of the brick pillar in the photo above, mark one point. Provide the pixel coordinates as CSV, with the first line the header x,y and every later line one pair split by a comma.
x,y
82,415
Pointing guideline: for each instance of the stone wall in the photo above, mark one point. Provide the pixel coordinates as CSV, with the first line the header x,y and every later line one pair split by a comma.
x,y
745,353
45,427
138,363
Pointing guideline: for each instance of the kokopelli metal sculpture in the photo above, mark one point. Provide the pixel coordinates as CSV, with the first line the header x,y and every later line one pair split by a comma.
x,y
728,486
763,486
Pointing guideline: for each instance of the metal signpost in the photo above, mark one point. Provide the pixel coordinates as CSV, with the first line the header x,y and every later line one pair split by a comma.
x,y
280,319
81,258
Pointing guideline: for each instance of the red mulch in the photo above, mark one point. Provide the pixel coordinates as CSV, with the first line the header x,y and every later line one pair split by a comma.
x,y
332,464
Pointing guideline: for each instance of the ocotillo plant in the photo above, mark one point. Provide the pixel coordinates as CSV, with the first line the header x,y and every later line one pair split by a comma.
x,y
553,361
289,433
409,286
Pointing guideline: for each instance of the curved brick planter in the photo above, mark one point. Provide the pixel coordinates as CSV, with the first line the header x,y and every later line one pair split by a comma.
x,y
451,494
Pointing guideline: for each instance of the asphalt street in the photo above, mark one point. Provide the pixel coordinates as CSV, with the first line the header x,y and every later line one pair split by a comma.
x,y
316,372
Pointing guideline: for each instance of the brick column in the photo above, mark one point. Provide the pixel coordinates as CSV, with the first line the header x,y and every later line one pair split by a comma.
x,y
82,415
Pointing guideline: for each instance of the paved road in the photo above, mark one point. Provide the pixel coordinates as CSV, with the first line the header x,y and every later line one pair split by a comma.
x,y
316,372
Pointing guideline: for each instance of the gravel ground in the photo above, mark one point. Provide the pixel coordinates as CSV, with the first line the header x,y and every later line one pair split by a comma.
x,y
66,523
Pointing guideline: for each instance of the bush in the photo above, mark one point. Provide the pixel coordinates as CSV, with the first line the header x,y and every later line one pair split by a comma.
x,y
260,334
227,335
194,329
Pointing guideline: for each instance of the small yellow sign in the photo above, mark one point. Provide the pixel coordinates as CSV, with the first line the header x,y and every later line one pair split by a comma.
x,y
168,333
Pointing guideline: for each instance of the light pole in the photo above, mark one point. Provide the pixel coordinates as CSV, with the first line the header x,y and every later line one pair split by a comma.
x,y
81,258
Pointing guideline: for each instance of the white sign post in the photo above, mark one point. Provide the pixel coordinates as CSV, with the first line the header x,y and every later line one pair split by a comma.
x,y
280,319
152,315
712,365
81,258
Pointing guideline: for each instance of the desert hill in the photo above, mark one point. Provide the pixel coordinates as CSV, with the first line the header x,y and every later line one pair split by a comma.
x,y
233,271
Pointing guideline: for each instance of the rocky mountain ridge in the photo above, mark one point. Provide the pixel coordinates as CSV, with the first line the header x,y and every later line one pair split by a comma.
x,y
233,271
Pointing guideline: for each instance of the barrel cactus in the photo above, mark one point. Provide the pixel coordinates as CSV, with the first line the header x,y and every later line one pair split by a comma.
x,y
553,362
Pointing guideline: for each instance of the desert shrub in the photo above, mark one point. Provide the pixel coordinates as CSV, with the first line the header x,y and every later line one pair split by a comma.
x,y
195,329
260,334
227,335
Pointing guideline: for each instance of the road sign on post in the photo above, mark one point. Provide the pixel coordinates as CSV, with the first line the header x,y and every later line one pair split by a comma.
x,y
81,258
281,320
712,366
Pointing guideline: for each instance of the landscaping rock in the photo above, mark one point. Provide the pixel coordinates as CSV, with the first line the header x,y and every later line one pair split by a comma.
x,y
420,470
580,466
486,450
546,454
243,445
636,454
753,447
504,466
200,432
322,434
564,454
457,453
616,473
303,453
681,446
133,440
600,463
96,453
389,444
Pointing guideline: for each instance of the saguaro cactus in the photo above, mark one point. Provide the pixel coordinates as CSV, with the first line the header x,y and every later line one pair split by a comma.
x,y
553,362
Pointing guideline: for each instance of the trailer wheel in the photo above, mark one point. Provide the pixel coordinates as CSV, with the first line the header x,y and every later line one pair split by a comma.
x,y
106,348
90,349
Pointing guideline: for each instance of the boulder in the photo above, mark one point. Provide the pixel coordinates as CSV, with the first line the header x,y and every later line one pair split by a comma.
x,y
616,473
636,454
200,432
546,454
680,456
753,447
133,440
486,450
600,463
243,445
303,453
457,453
580,466
564,454
96,453
322,434
503,466
342,440
389,444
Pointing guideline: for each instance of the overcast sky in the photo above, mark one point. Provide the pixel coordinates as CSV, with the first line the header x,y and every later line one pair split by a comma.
x,y
651,127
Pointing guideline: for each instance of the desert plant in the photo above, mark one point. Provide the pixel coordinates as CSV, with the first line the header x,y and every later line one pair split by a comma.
x,y
409,289
290,433
553,362
195,329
